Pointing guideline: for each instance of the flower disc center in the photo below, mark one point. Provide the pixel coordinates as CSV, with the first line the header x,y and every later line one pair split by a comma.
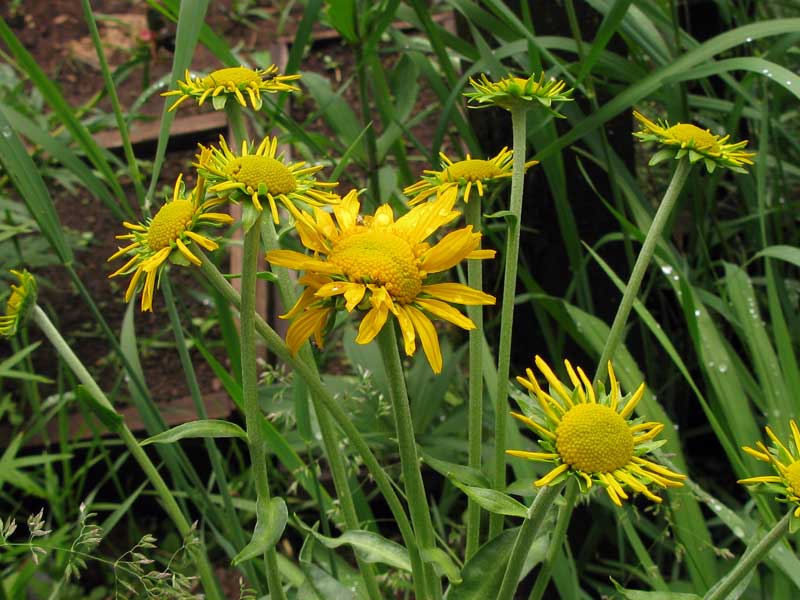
x,y
793,476
234,75
472,170
594,438
170,221
687,133
254,169
381,258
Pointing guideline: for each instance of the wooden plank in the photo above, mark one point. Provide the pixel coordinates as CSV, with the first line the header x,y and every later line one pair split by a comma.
x,y
144,132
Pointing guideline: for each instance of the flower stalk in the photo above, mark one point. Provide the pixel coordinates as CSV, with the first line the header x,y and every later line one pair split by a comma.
x,y
275,344
165,495
327,429
252,410
642,262
475,402
518,121
412,476
752,556
525,538
556,540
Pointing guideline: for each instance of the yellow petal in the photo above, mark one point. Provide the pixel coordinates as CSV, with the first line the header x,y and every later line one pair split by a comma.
x,y
428,337
445,311
457,293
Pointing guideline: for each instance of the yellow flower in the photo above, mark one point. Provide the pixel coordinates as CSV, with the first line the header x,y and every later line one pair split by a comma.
x,y
19,303
590,437
167,236
467,173
784,462
685,139
518,91
257,173
380,265
234,81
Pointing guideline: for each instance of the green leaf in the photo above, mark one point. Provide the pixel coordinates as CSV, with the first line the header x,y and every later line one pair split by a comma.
x,y
25,176
494,501
65,113
508,215
461,473
483,572
271,517
206,428
788,254
341,15
371,547
442,563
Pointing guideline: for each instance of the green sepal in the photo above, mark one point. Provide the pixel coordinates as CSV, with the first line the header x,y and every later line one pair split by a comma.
x,y
794,524
219,101
249,216
660,156
177,258
263,190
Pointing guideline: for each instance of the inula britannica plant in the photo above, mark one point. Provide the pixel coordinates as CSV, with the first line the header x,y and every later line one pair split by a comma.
x,y
304,341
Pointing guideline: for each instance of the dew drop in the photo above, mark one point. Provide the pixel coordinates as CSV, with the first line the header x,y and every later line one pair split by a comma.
x,y
723,368
748,39
666,269
6,132
697,312
788,82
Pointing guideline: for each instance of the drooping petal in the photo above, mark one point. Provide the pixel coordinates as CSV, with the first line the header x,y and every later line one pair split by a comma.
x,y
457,293
428,337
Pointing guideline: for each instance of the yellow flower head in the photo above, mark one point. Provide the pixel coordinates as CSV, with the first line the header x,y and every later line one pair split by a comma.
x,y
464,173
380,265
785,462
167,236
19,303
685,139
258,174
235,81
518,91
590,436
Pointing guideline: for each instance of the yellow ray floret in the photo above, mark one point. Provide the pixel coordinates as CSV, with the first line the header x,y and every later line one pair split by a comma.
x,y
685,139
259,173
19,303
510,92
584,435
232,81
463,175
167,236
381,266
785,462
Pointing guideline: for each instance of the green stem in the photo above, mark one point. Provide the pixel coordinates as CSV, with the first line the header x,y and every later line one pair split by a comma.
x,y
507,311
369,133
752,556
642,262
252,410
404,425
233,113
525,538
166,496
556,540
275,344
475,405
327,429
232,523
